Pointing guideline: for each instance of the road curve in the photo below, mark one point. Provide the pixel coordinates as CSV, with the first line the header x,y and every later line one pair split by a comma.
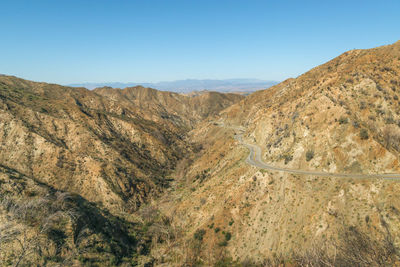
x,y
255,159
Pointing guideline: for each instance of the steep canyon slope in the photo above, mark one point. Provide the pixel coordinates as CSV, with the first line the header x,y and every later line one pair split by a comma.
x,y
110,149
75,164
340,117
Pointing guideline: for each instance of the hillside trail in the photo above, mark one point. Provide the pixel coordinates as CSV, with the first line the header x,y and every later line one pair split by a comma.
x,y
254,159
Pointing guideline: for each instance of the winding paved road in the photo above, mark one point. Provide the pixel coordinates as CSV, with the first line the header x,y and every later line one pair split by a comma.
x,y
255,159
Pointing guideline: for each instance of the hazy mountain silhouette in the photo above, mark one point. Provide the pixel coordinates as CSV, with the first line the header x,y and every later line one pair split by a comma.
x,y
189,85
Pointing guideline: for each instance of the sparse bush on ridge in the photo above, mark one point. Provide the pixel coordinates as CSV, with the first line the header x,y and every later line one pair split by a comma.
x,y
309,155
228,236
199,234
364,134
287,158
343,120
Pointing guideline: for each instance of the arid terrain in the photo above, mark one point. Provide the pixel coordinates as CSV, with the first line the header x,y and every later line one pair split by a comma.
x,y
341,117
138,176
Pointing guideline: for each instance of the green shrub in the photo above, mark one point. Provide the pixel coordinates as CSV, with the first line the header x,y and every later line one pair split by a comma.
x,y
389,120
114,261
228,236
287,158
343,120
364,134
309,155
223,243
199,234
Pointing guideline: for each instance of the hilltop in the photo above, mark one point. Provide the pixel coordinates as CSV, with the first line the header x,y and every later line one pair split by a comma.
x,y
183,111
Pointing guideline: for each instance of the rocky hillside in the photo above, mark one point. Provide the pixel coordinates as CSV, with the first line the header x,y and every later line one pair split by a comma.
x,y
114,152
340,117
345,113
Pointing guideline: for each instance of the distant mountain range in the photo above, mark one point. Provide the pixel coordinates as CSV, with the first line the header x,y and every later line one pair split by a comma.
x,y
186,86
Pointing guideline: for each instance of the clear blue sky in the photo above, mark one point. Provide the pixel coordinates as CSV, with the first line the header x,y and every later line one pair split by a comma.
x,y
155,40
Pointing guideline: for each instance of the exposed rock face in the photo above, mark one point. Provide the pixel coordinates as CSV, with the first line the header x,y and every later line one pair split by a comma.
x,y
343,116
113,150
